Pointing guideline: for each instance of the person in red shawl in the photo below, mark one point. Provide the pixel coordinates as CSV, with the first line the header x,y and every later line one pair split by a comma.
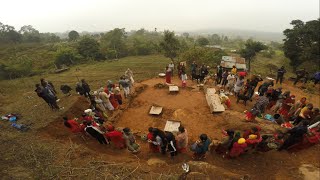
x,y
117,95
252,141
153,148
238,148
254,130
168,75
116,137
72,125
286,106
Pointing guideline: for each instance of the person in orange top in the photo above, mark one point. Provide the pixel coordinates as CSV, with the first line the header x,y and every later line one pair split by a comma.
x,y
72,125
116,137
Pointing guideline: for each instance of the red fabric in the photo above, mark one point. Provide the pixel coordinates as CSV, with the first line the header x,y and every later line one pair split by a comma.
x,y
287,125
315,139
113,101
237,149
228,103
75,127
248,132
152,147
116,138
184,83
250,116
118,97
243,74
252,142
168,77
285,108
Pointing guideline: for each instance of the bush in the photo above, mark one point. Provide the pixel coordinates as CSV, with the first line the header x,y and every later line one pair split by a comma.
x,y
66,56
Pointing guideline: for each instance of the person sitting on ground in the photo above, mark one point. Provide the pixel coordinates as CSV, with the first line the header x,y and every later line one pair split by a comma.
x,y
254,130
66,89
238,148
130,141
280,100
263,88
315,116
296,135
258,108
201,147
160,140
305,114
96,133
226,143
274,97
115,137
300,74
286,106
172,146
297,106
182,139
72,125
152,147
252,141
263,145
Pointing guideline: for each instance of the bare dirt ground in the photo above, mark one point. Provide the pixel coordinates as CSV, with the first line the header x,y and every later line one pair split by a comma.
x,y
73,157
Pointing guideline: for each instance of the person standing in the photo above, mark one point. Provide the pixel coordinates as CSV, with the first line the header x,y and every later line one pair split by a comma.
x,y
234,70
105,99
224,78
129,74
238,86
219,74
171,66
86,88
168,75
194,67
300,74
125,85
201,147
280,74
182,139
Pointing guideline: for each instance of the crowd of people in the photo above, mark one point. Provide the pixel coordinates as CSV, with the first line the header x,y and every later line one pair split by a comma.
x,y
301,118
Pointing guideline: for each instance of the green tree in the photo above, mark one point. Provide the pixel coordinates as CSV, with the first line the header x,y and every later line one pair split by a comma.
x,y
73,35
250,50
29,34
66,56
216,39
9,34
302,42
170,45
202,41
115,40
89,47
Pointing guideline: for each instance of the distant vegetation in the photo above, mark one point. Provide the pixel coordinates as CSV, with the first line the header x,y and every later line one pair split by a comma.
x,y
27,51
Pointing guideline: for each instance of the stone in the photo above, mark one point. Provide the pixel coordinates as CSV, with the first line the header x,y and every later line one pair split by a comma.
x,y
156,162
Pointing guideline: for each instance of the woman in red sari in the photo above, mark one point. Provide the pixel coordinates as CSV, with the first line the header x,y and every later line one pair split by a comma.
x,y
168,75
153,148
286,106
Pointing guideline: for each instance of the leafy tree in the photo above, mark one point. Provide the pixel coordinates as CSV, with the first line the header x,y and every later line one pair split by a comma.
x,y
73,35
89,47
66,56
170,45
29,34
115,40
9,34
202,41
49,37
216,39
250,50
302,42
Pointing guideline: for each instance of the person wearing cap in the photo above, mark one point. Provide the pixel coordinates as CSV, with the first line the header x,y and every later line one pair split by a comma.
x,y
238,148
201,147
286,106
280,74
115,137
296,135
130,141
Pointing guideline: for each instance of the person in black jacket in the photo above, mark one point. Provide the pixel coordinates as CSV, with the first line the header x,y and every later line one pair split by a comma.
x,y
296,135
86,88
280,74
96,133
300,74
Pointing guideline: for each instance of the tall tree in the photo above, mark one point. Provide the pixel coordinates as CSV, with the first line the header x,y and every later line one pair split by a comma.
x,y
115,40
88,47
170,45
9,34
29,34
73,35
250,50
202,41
302,42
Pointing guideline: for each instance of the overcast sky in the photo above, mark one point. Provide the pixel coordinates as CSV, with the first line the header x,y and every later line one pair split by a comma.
x,y
178,15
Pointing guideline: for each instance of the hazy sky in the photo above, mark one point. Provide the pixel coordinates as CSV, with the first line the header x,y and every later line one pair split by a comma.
x,y
178,15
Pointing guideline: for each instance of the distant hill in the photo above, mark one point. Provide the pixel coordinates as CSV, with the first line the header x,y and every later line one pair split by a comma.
x,y
245,34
